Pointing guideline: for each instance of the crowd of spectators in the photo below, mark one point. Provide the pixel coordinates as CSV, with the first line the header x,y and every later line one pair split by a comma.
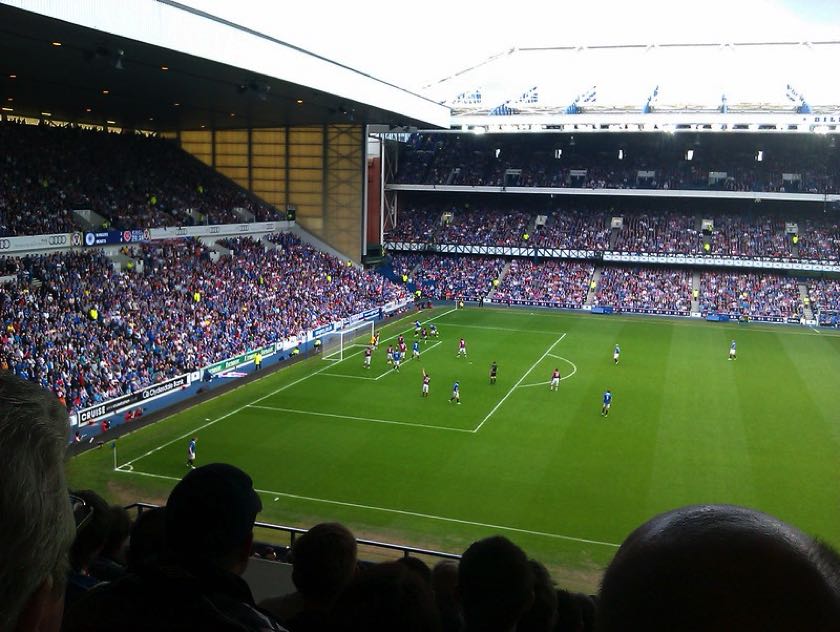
x,y
717,164
574,229
133,181
750,295
751,236
824,295
75,325
666,233
657,290
440,277
559,283
77,564
488,227
674,232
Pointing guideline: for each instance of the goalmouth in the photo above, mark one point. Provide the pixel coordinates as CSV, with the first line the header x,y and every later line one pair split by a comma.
x,y
335,344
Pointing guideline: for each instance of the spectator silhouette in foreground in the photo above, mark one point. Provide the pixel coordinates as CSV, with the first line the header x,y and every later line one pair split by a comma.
x,y
720,567
386,598
147,543
36,521
88,544
542,615
495,584
209,533
110,564
324,562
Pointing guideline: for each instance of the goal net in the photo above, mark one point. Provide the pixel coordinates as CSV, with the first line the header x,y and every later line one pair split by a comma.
x,y
336,344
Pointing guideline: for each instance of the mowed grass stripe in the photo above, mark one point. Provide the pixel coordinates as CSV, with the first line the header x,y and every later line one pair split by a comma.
x,y
686,426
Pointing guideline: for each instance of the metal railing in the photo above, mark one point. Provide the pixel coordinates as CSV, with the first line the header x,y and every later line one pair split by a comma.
x,y
407,551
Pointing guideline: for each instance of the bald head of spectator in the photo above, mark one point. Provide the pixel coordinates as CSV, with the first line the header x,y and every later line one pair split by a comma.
x,y
720,567
36,522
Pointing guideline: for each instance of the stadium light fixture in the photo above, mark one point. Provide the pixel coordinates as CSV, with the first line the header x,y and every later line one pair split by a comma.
x,y
46,113
87,109
164,68
111,122
299,101
689,155
621,154
8,109
12,76
56,44
498,152
106,92
759,156
176,104
558,153
10,99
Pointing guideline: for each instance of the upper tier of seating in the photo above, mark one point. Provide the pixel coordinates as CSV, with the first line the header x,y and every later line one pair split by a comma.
x,y
718,162
133,181
676,232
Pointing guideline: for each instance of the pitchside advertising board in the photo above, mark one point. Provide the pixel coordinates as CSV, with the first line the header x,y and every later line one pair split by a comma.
x,y
116,237
92,413
240,360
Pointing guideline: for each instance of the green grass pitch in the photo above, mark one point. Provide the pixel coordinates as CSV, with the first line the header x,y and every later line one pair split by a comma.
x,y
329,440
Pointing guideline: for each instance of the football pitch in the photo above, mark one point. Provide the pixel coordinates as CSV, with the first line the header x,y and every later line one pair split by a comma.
x,y
327,439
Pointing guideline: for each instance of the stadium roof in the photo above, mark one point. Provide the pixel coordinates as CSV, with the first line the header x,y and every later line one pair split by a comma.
x,y
787,78
160,65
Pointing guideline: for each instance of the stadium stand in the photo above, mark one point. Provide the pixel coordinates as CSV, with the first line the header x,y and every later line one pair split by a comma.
x,y
764,296
675,232
74,325
132,180
447,278
645,290
557,283
825,300
469,160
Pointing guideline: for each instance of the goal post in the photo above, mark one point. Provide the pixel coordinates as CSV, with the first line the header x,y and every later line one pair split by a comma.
x,y
335,344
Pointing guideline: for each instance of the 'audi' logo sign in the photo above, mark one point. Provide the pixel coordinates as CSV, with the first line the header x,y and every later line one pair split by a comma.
x,y
5,244
57,240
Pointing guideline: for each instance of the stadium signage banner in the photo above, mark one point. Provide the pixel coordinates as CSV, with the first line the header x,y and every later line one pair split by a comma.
x,y
317,333
116,237
240,360
173,232
104,409
730,261
52,241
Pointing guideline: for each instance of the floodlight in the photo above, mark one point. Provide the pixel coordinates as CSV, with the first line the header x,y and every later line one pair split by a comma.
x,y
689,155
759,156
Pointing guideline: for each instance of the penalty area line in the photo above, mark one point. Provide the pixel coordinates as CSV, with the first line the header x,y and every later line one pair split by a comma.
x,y
368,419
521,379
402,512
259,399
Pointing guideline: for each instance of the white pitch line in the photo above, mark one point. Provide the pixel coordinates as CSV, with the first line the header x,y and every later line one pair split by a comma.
x,y
513,388
352,377
368,419
402,512
519,331
565,377
256,401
